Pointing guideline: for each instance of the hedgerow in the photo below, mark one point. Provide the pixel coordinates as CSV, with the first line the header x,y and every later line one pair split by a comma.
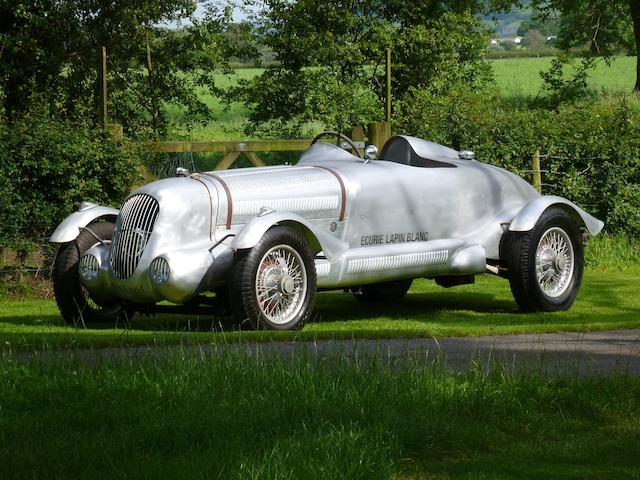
x,y
48,167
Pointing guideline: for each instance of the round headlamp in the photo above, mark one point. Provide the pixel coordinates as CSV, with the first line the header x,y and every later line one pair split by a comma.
x,y
88,267
159,270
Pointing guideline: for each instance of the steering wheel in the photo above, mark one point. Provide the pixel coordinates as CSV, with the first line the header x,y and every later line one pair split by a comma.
x,y
339,136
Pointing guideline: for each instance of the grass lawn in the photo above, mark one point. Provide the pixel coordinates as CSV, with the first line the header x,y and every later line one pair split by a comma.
x,y
608,300
232,417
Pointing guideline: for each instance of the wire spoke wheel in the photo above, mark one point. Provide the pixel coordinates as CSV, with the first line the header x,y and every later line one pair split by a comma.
x,y
554,262
273,284
545,264
281,283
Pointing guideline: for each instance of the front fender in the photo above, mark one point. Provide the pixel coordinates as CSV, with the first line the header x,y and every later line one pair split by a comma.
x,y
70,227
528,216
253,231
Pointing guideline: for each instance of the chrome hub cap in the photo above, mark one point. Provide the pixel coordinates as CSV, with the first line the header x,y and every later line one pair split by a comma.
x,y
281,284
554,262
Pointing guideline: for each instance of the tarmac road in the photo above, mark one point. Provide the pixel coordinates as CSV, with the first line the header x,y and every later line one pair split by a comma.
x,y
569,354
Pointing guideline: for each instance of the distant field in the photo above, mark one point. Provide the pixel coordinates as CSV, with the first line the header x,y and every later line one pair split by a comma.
x,y
516,78
520,76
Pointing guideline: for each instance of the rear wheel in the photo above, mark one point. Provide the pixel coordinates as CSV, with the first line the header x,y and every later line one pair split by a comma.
x,y
383,292
73,299
273,284
545,264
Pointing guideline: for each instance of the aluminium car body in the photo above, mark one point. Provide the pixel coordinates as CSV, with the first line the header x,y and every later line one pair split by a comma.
x,y
421,210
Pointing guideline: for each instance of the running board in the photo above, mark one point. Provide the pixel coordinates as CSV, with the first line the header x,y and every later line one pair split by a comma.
x,y
381,263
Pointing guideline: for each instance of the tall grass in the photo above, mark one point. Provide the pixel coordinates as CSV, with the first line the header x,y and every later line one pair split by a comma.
x,y
236,416
618,252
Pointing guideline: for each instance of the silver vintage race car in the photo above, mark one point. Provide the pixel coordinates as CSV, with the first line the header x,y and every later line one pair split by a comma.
x,y
265,240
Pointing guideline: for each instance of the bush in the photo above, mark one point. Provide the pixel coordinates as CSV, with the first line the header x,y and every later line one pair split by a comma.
x,y
590,148
48,167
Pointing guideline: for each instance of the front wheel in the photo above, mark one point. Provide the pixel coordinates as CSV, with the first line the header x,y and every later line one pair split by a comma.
x,y
273,284
74,301
545,264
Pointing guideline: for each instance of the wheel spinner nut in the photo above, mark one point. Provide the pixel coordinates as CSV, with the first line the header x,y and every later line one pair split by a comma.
x,y
287,285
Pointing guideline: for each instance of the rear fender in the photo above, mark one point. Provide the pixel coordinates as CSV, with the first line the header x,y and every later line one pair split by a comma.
x,y
70,227
253,231
528,216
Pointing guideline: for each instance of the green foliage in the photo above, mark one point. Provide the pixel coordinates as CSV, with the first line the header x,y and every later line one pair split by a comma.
x,y
564,87
534,39
604,26
590,148
440,52
497,52
324,75
547,26
287,103
50,53
32,35
48,167
331,58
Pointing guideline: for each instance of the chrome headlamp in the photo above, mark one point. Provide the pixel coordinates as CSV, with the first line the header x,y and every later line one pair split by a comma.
x,y
159,270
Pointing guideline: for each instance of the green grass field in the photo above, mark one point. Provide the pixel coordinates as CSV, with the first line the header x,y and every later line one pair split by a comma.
x,y
232,417
608,300
516,79
520,77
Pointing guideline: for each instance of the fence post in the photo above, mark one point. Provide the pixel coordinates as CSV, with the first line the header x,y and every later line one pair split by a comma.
x,y
536,173
155,111
378,134
357,135
102,85
388,109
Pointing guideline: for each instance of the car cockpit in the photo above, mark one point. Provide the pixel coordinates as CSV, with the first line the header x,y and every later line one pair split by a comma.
x,y
430,155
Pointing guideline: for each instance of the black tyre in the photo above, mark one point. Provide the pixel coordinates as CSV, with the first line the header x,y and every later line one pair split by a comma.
x,y
545,265
383,292
75,304
273,284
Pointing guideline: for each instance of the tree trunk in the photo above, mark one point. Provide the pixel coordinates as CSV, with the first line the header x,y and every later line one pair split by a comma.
x,y
634,6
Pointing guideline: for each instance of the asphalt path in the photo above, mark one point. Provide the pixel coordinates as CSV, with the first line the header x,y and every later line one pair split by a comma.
x,y
566,354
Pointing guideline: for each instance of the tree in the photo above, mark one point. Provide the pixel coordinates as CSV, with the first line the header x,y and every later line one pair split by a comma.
x,y
331,56
534,39
606,25
49,51
32,49
547,27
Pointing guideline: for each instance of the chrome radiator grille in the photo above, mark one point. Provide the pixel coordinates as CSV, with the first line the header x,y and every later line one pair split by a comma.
x,y
133,229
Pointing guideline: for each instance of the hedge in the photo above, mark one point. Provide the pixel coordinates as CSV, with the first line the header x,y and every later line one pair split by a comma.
x,y
590,148
48,167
